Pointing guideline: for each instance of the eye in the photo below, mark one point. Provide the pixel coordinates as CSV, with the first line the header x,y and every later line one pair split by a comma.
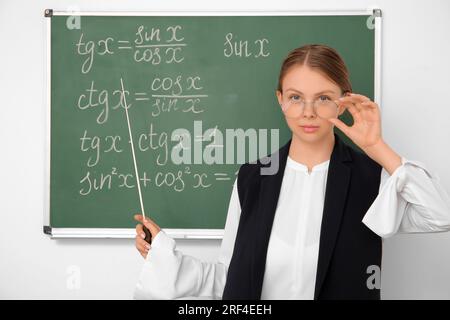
x,y
295,97
324,98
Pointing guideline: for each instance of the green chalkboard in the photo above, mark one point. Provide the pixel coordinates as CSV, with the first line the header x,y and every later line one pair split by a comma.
x,y
182,75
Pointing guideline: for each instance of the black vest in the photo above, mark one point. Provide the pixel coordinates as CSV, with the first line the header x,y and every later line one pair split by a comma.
x,y
347,246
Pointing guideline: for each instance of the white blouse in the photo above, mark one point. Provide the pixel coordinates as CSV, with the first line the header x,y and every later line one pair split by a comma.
x,y
411,200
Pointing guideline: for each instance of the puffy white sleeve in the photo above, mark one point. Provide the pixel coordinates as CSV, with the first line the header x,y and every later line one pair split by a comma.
x,y
169,274
411,200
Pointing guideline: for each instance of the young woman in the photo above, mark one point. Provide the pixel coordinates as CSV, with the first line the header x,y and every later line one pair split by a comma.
x,y
314,229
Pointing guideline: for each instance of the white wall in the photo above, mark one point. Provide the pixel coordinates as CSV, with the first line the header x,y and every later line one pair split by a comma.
x,y
415,108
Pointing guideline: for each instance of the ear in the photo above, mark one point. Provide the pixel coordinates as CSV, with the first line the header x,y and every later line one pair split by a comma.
x,y
341,110
279,97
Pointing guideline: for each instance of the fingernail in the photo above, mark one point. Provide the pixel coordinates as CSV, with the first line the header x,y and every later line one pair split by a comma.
x,y
143,235
147,246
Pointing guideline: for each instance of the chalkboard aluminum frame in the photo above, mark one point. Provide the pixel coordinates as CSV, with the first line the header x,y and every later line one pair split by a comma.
x,y
129,233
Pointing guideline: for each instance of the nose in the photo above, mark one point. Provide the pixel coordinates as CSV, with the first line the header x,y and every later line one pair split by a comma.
x,y
308,111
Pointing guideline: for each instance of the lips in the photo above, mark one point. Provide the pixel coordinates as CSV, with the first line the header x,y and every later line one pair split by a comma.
x,y
309,129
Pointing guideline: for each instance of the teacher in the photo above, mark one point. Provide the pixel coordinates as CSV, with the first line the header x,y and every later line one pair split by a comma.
x,y
314,229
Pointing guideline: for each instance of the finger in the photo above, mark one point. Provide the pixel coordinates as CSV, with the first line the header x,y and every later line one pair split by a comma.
x,y
142,245
355,98
359,97
140,231
352,108
355,112
369,104
142,251
149,223
350,101
139,246
152,226
341,125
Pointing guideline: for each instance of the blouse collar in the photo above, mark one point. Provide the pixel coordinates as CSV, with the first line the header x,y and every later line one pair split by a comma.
x,y
301,167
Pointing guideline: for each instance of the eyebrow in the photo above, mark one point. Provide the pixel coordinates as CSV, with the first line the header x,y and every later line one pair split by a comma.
x,y
319,93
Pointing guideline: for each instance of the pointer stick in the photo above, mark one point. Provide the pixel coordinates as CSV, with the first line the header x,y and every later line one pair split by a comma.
x,y
148,235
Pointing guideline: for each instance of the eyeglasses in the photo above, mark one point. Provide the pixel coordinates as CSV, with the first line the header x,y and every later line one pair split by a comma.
x,y
324,106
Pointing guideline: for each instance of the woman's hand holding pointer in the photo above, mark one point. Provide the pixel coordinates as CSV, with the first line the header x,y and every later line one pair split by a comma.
x,y
142,245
